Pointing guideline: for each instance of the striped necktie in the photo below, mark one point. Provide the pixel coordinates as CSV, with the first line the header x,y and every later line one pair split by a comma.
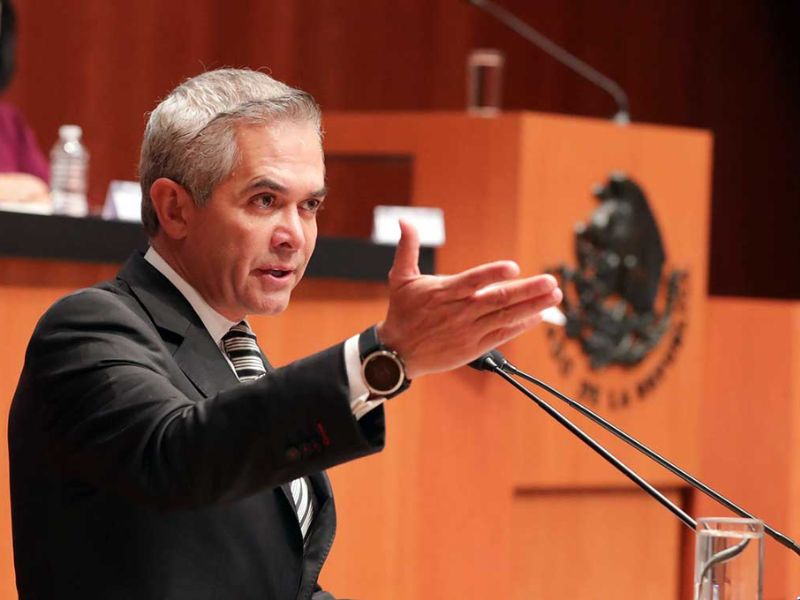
x,y
242,349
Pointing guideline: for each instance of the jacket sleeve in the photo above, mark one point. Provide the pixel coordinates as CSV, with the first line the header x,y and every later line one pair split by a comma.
x,y
320,594
100,390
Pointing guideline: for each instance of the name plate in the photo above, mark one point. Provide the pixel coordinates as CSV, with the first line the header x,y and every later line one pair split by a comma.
x,y
123,202
429,223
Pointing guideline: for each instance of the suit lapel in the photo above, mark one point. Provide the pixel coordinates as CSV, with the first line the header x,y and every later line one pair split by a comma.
x,y
320,540
202,362
194,350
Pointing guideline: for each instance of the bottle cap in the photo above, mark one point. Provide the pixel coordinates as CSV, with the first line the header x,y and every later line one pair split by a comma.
x,y
70,132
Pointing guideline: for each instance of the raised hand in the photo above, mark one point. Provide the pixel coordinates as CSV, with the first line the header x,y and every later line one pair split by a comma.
x,y
438,323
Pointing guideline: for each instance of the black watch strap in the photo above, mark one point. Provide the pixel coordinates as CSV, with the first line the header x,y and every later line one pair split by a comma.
x,y
368,342
382,369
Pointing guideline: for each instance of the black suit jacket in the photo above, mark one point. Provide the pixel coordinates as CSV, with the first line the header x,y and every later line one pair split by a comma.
x,y
142,469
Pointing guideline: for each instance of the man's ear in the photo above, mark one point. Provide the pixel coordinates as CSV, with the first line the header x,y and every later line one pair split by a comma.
x,y
173,205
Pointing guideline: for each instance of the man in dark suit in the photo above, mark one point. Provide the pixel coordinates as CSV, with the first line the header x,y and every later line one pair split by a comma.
x,y
154,452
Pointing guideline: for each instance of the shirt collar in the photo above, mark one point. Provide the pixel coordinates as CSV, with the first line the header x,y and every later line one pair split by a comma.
x,y
216,324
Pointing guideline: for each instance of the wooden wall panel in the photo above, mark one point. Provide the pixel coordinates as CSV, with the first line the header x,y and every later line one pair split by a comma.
x,y
21,305
750,423
792,389
359,183
731,68
591,544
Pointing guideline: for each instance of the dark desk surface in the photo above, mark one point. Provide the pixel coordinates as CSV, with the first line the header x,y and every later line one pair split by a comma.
x,y
98,241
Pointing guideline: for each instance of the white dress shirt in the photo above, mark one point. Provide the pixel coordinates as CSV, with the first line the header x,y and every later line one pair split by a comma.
x,y
217,326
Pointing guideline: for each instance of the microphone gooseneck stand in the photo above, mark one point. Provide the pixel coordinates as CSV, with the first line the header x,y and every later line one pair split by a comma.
x,y
491,362
566,58
495,362
501,365
671,467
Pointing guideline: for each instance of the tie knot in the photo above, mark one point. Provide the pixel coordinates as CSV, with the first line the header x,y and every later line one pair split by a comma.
x,y
242,349
240,330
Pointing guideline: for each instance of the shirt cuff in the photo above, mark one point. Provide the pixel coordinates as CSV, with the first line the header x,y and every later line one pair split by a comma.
x,y
359,394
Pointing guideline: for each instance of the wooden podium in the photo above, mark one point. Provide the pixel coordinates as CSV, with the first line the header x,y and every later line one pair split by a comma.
x,y
479,494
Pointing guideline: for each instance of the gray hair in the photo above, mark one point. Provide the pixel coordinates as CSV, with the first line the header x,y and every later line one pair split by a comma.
x,y
190,137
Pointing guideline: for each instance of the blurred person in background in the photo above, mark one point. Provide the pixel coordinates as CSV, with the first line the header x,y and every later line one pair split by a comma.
x,y
24,171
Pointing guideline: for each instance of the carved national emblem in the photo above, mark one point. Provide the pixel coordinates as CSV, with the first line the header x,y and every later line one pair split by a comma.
x,y
618,301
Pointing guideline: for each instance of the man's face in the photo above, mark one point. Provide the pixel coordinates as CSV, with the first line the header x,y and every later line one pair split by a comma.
x,y
248,248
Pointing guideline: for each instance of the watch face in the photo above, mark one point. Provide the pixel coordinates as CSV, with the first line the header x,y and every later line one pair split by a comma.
x,y
382,372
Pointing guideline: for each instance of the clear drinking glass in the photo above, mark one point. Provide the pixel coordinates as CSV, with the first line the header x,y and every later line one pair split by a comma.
x,y
485,82
729,559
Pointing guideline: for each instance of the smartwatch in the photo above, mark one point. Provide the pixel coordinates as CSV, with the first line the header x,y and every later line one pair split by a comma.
x,y
382,369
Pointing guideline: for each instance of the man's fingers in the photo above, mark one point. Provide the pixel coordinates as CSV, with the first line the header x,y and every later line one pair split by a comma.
x,y
466,283
521,312
498,337
406,256
498,296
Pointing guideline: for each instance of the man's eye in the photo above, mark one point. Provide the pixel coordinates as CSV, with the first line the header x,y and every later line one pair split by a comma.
x,y
312,205
264,200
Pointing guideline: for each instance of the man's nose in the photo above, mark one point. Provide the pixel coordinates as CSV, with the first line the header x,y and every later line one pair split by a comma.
x,y
289,233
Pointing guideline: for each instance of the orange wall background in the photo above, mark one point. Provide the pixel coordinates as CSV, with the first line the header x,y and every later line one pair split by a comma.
x,y
750,422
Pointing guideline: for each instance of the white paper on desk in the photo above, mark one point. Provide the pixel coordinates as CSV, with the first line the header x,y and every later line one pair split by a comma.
x,y
429,223
34,208
123,201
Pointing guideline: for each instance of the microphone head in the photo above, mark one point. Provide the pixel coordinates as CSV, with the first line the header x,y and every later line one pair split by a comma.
x,y
489,361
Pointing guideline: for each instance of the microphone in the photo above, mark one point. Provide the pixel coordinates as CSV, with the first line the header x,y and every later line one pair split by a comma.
x,y
505,369
489,361
569,60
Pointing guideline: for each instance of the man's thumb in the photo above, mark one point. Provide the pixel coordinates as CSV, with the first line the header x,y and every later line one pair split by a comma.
x,y
406,257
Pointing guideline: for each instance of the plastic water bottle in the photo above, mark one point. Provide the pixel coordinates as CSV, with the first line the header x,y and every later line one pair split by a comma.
x,y
69,168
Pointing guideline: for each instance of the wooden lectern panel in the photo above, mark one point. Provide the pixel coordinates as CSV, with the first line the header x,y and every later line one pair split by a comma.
x,y
566,157
514,187
27,289
750,423
591,545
